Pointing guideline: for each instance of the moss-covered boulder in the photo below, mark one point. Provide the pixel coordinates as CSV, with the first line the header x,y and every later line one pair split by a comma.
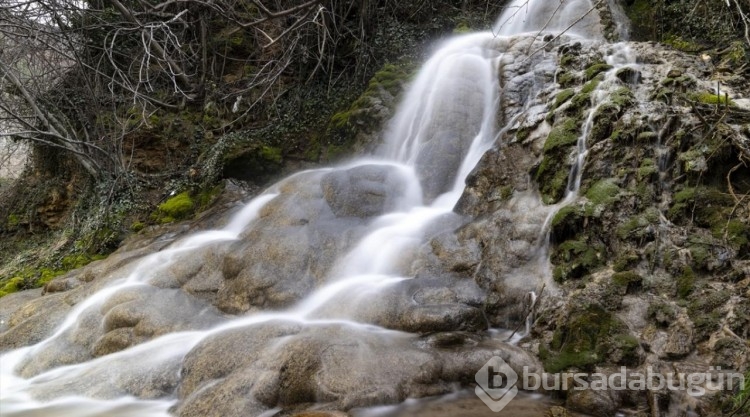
x,y
552,173
588,337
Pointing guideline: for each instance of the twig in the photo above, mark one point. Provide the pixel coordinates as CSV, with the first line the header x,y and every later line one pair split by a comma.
x,y
531,310
564,31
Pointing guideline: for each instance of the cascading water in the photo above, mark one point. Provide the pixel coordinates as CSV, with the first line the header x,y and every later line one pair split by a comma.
x,y
369,218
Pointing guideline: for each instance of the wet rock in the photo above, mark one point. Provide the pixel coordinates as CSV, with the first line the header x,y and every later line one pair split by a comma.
x,y
629,75
557,411
363,191
129,317
283,364
592,402
285,254
679,340
28,318
443,154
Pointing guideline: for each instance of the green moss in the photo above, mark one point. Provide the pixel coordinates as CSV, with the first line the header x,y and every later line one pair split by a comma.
x,y
567,60
713,99
596,69
562,135
685,282
564,216
36,277
552,178
552,173
271,153
647,169
736,233
76,261
506,192
662,313
629,280
588,337
523,133
622,97
705,312
607,113
710,208
563,96
590,86
12,285
647,137
603,192
635,228
362,115
462,28
736,55
567,223
579,103
566,79
700,253
625,261
681,44
577,257
13,220
137,226
208,195
175,208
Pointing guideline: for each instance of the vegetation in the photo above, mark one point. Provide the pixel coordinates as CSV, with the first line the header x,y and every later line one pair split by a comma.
x,y
589,337
221,89
176,208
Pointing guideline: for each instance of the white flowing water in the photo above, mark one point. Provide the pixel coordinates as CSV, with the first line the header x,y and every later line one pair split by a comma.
x,y
576,17
444,125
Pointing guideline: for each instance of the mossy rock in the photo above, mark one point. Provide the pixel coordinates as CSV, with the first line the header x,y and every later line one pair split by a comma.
x,y
629,75
255,161
677,42
579,104
552,178
564,134
735,232
590,336
567,79
175,208
590,86
553,172
362,115
639,227
710,208
595,70
575,258
662,313
630,281
685,282
705,311
712,99
562,97
626,260
603,192
36,277
603,126
567,223
13,285
647,170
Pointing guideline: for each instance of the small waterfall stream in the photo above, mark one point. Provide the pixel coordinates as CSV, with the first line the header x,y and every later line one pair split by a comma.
x,y
443,127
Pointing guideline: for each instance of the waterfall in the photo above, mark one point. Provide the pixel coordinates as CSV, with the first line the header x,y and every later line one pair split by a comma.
x,y
374,213
573,16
